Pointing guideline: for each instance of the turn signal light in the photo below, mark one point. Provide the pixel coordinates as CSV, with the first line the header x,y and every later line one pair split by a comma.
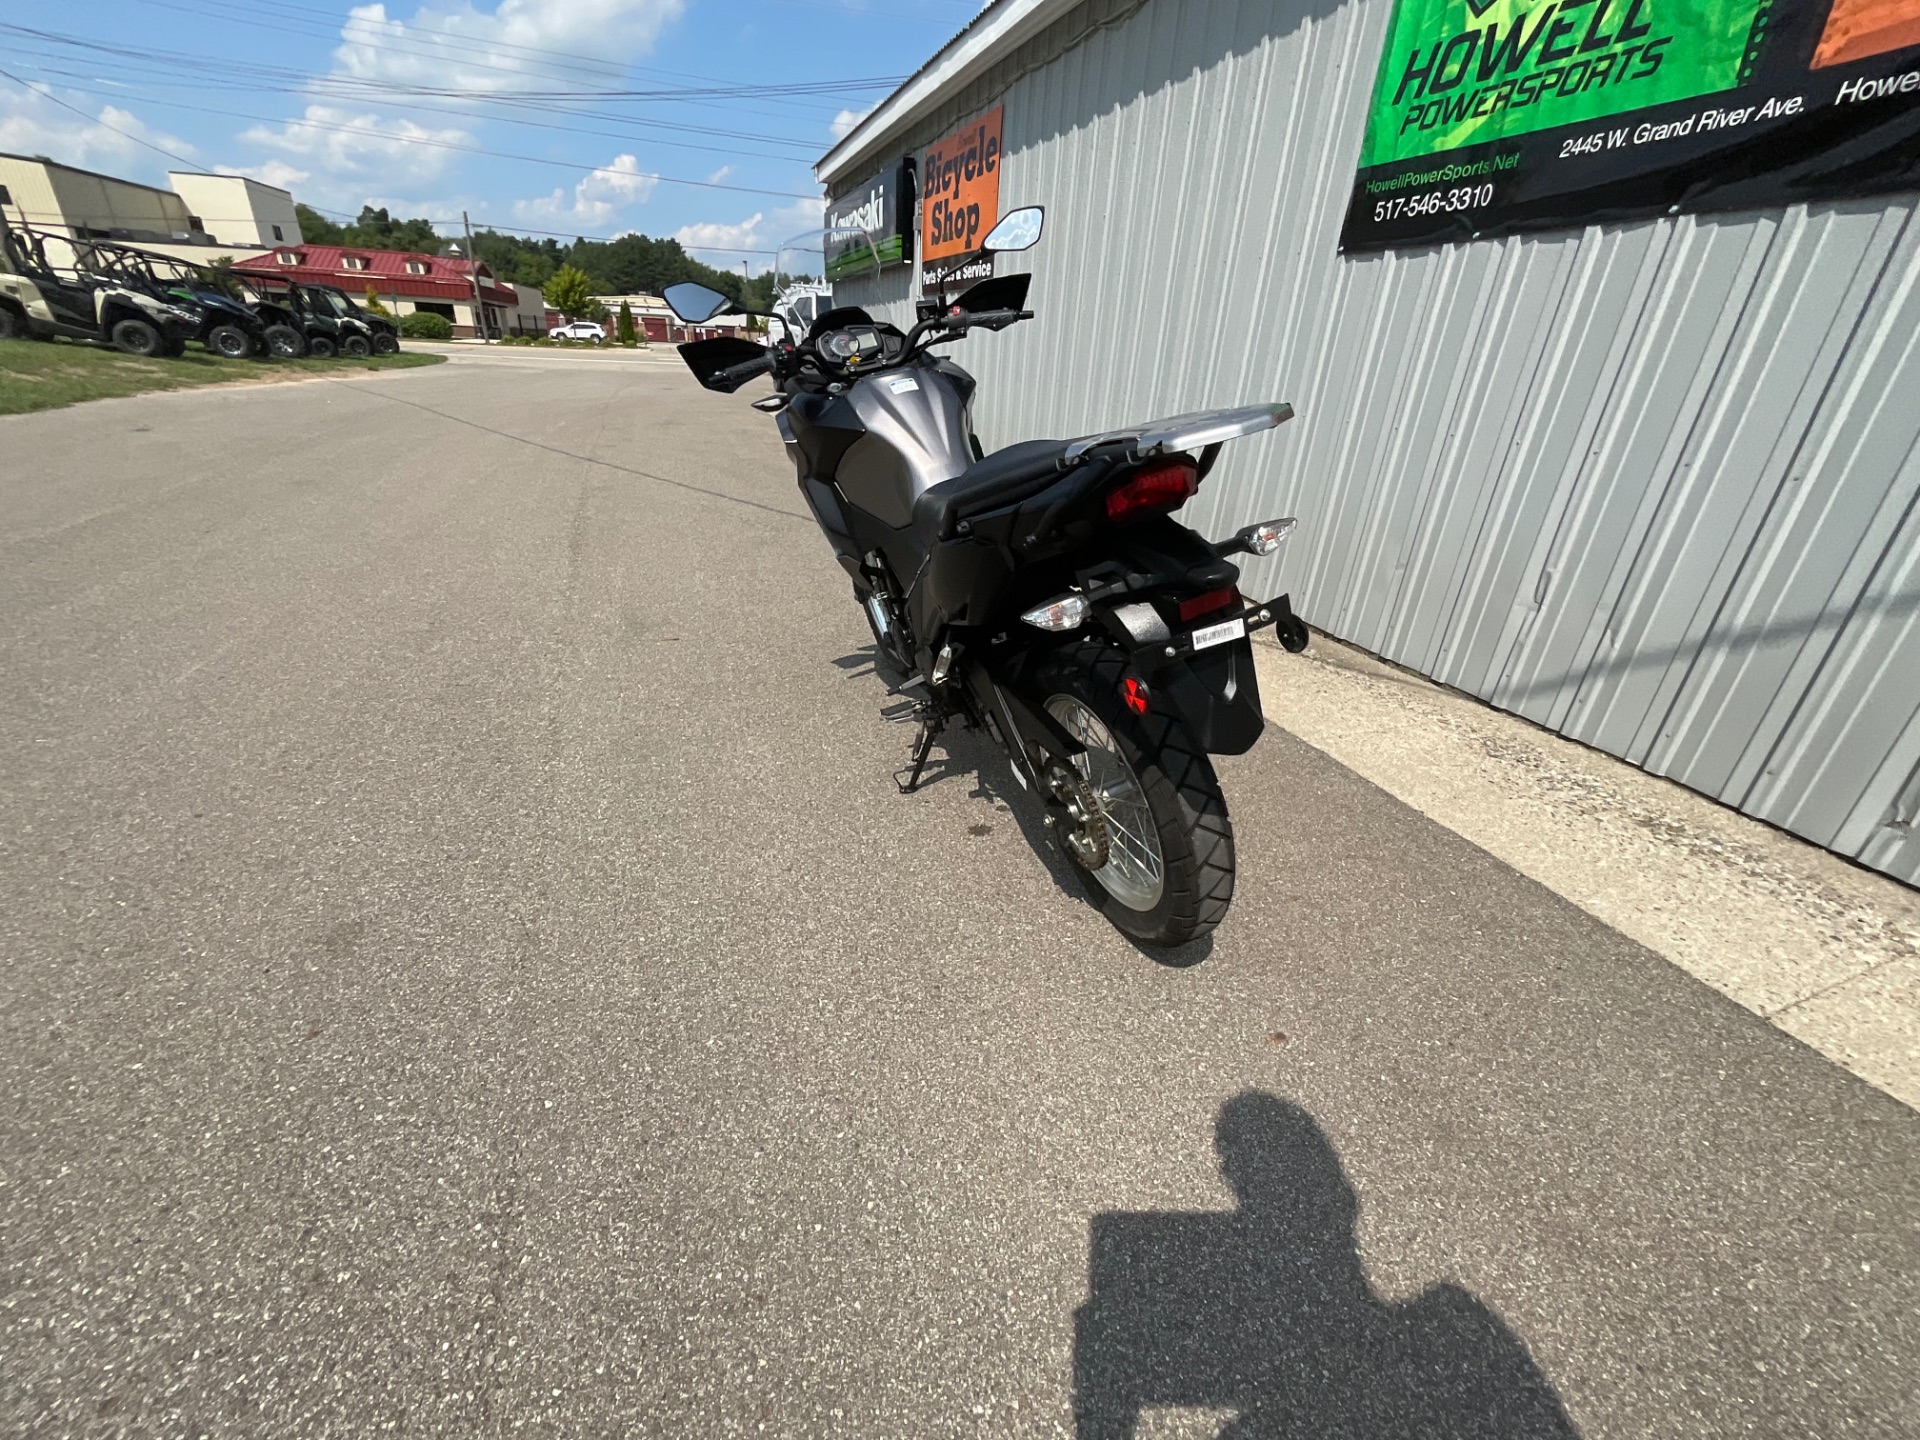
x,y
1155,491
1069,612
1268,536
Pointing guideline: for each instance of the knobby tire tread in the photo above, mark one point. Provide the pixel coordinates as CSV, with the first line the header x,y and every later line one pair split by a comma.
x,y
1200,894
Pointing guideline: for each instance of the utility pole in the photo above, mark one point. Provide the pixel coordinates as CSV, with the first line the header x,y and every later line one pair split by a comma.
x,y
473,270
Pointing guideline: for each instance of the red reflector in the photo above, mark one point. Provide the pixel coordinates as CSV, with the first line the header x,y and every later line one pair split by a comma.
x,y
1163,488
1135,695
1212,600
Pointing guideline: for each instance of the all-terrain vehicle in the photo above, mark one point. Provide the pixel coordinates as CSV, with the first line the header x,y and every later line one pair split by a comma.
x,y
228,327
282,328
361,331
318,329
41,299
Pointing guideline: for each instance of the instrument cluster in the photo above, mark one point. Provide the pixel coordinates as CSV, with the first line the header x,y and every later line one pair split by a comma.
x,y
855,345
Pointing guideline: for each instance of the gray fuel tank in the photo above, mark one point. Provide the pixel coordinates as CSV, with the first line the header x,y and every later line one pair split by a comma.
x,y
917,435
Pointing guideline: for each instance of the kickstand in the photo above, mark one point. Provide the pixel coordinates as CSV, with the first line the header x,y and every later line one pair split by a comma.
x,y
922,747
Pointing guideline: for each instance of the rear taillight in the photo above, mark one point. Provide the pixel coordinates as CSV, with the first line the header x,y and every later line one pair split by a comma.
x,y
1209,602
1154,492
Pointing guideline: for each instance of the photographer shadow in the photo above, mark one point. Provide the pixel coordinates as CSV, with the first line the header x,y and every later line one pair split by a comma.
x,y
1266,1310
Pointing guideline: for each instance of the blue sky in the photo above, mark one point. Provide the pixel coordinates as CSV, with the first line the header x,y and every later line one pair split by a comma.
x,y
389,104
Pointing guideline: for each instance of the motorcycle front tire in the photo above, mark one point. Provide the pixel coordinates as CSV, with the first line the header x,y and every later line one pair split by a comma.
x,y
1189,818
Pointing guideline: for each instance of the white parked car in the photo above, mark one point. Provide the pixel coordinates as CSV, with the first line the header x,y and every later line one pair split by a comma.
x,y
579,330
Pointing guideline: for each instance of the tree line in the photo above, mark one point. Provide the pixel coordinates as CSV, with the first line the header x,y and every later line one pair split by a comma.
x,y
627,265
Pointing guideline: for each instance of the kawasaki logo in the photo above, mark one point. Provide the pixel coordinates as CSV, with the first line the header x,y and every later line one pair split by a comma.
x,y
869,216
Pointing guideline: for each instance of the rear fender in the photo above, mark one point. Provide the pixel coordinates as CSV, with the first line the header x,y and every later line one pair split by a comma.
x,y
1217,695
1205,673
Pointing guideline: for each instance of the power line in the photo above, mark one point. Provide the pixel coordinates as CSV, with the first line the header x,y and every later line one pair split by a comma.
x,y
91,120
141,63
455,92
384,96
76,80
144,67
387,135
516,231
513,232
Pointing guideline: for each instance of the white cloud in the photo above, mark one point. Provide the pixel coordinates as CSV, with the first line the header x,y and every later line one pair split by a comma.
x,y
713,234
344,142
32,123
719,175
274,172
603,194
844,122
462,47
340,149
761,232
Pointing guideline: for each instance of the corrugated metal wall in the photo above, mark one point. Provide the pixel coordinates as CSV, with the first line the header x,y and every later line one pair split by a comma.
x,y
1652,485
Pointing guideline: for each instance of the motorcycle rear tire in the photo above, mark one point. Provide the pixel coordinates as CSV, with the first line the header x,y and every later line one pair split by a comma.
x,y
1194,834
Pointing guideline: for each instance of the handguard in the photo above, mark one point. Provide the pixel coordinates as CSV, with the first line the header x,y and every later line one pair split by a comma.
x,y
726,362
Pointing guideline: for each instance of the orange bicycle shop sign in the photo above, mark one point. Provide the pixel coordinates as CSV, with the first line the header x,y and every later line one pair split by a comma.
x,y
959,195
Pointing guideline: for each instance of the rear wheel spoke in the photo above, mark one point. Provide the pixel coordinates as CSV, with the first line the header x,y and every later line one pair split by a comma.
x,y
1135,872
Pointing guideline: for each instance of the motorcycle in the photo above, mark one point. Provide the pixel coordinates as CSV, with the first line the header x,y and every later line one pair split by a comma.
x,y
1043,593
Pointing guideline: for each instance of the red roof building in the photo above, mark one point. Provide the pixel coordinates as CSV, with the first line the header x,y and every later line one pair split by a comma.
x,y
403,281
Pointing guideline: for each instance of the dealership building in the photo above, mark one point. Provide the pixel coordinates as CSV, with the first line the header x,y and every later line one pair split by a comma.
x,y
1613,421
201,219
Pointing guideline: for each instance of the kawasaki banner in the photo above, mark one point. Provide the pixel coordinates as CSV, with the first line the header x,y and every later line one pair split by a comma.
x,y
1491,116
883,208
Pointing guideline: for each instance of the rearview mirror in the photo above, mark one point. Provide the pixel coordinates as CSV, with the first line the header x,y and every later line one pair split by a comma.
x,y
1017,230
694,303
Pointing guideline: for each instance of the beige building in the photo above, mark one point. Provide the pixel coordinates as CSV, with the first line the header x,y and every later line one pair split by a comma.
x,y
530,313
238,209
203,217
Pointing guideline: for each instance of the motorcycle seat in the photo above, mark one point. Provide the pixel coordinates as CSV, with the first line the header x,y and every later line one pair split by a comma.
x,y
1003,478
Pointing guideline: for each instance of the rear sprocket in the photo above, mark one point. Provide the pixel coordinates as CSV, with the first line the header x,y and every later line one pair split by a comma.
x,y
1075,816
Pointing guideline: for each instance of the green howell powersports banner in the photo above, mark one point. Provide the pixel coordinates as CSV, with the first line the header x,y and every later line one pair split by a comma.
x,y
1492,116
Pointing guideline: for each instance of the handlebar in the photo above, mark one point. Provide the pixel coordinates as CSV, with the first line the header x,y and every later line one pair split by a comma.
x,y
956,325
738,375
993,319
787,361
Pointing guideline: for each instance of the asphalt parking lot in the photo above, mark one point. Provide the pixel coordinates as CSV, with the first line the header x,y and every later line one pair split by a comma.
x,y
469,973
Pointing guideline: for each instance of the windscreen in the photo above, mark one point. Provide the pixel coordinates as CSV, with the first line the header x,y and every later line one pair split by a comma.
x,y
807,267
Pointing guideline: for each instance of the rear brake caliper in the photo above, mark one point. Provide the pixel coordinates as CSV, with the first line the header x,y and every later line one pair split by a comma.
x,y
1075,816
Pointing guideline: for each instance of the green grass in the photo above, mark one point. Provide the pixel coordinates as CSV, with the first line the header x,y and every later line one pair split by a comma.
x,y
44,375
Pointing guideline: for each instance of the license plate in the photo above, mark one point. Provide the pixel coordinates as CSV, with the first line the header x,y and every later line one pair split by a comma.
x,y
1219,634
